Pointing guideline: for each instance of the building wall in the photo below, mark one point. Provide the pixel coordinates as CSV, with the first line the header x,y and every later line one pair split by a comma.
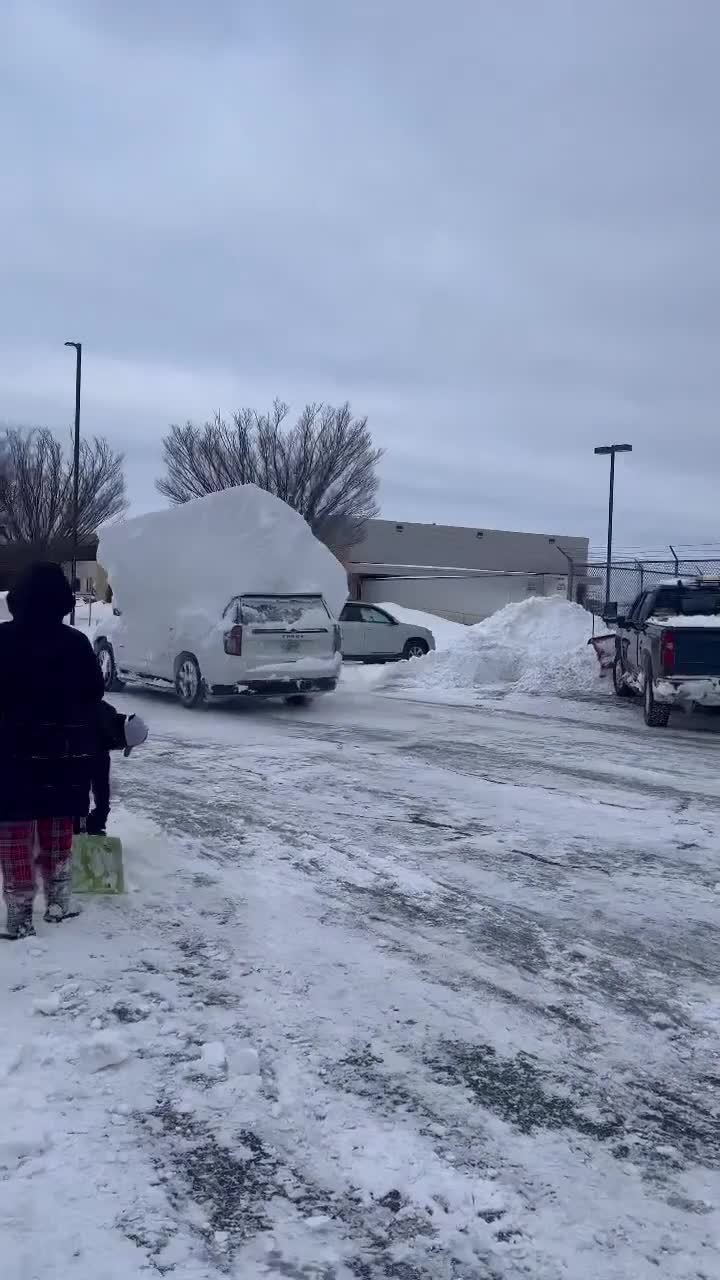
x,y
467,600
390,542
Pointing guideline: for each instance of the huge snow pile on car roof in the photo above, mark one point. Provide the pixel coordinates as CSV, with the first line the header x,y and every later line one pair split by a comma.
x,y
539,645
200,554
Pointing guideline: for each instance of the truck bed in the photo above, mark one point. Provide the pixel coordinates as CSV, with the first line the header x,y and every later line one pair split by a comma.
x,y
697,647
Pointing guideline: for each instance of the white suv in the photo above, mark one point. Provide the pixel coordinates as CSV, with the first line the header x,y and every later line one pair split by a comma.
x,y
272,646
370,634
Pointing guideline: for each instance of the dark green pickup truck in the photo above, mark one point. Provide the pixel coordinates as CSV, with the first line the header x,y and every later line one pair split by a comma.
x,y
667,648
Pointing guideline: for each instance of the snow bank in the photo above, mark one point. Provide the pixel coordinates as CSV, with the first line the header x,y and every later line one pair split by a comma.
x,y
537,645
445,632
204,552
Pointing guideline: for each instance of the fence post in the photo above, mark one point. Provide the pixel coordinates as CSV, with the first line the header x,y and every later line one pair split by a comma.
x,y
641,570
677,562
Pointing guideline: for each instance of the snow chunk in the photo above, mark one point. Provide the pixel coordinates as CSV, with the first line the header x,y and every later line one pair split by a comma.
x,y
318,1222
47,1005
198,555
31,1139
212,1060
105,1049
246,1060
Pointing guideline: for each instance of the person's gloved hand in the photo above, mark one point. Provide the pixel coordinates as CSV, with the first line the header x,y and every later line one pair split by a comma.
x,y
95,823
136,731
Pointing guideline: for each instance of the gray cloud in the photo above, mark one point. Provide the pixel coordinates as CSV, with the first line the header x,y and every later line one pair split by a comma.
x,y
493,226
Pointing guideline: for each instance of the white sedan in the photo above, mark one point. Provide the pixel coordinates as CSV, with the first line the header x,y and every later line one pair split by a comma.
x,y
371,634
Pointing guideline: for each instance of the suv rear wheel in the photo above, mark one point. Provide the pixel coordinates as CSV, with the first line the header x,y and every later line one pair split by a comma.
x,y
655,713
106,661
189,684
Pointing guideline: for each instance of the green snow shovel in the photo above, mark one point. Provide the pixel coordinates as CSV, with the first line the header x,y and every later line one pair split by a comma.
x,y
97,864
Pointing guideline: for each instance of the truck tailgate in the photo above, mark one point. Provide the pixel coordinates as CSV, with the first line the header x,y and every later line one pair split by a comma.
x,y
697,652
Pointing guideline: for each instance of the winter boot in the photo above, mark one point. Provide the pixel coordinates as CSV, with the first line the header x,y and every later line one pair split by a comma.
x,y
20,920
57,892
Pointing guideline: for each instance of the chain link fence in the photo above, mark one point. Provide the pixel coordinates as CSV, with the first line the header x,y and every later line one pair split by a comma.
x,y
586,582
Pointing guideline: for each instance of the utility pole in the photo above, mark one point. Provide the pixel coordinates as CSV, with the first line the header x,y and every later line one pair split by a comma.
x,y
612,449
76,470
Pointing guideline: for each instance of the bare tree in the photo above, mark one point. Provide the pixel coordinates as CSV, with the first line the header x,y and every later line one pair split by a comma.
x,y
36,486
325,466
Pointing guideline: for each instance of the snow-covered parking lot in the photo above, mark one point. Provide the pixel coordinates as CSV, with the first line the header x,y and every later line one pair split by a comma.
x,y
400,990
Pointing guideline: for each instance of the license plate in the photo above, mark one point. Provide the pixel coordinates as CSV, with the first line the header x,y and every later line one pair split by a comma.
x,y
292,642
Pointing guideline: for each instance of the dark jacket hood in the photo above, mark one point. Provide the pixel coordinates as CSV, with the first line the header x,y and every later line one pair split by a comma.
x,y
42,593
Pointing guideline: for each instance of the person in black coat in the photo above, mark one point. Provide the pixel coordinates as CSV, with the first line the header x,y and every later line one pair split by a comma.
x,y
50,691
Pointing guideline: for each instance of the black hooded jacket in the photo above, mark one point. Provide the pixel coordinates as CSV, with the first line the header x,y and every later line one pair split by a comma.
x,y
50,690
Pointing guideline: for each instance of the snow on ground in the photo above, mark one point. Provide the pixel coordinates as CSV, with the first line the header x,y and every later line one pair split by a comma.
x,y
399,992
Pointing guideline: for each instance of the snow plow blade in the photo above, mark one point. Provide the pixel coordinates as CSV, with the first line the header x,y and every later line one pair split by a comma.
x,y
604,647
98,865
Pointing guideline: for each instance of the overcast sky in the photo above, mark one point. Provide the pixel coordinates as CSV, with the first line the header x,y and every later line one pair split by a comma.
x,y
493,225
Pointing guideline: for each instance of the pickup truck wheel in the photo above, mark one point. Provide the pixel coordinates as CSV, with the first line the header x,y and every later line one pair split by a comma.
x,y
189,684
620,688
656,715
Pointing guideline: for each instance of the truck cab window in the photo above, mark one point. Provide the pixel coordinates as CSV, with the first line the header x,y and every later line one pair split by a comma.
x,y
635,608
647,607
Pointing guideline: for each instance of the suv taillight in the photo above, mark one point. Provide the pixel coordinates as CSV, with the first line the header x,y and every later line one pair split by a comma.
x,y
233,641
337,638
667,652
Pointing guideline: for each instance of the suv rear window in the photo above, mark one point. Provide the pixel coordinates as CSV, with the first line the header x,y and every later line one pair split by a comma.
x,y
304,612
702,600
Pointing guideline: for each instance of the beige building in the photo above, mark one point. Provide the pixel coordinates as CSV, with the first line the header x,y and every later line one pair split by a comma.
x,y
460,573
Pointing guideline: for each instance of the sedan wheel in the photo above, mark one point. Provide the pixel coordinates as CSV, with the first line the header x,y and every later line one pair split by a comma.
x,y
415,649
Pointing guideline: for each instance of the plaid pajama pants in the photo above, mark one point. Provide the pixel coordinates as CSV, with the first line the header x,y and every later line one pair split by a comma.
x,y
17,859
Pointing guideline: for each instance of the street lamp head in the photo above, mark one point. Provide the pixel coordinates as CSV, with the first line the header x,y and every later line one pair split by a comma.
x,y
614,448
76,345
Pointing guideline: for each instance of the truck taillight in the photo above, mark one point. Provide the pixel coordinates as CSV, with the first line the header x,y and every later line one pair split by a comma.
x,y
337,638
667,652
233,641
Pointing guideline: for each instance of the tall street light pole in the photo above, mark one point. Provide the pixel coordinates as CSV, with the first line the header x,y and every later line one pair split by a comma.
x,y
76,470
612,449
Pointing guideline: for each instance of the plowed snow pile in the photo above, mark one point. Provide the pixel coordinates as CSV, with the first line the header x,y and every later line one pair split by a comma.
x,y
537,646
